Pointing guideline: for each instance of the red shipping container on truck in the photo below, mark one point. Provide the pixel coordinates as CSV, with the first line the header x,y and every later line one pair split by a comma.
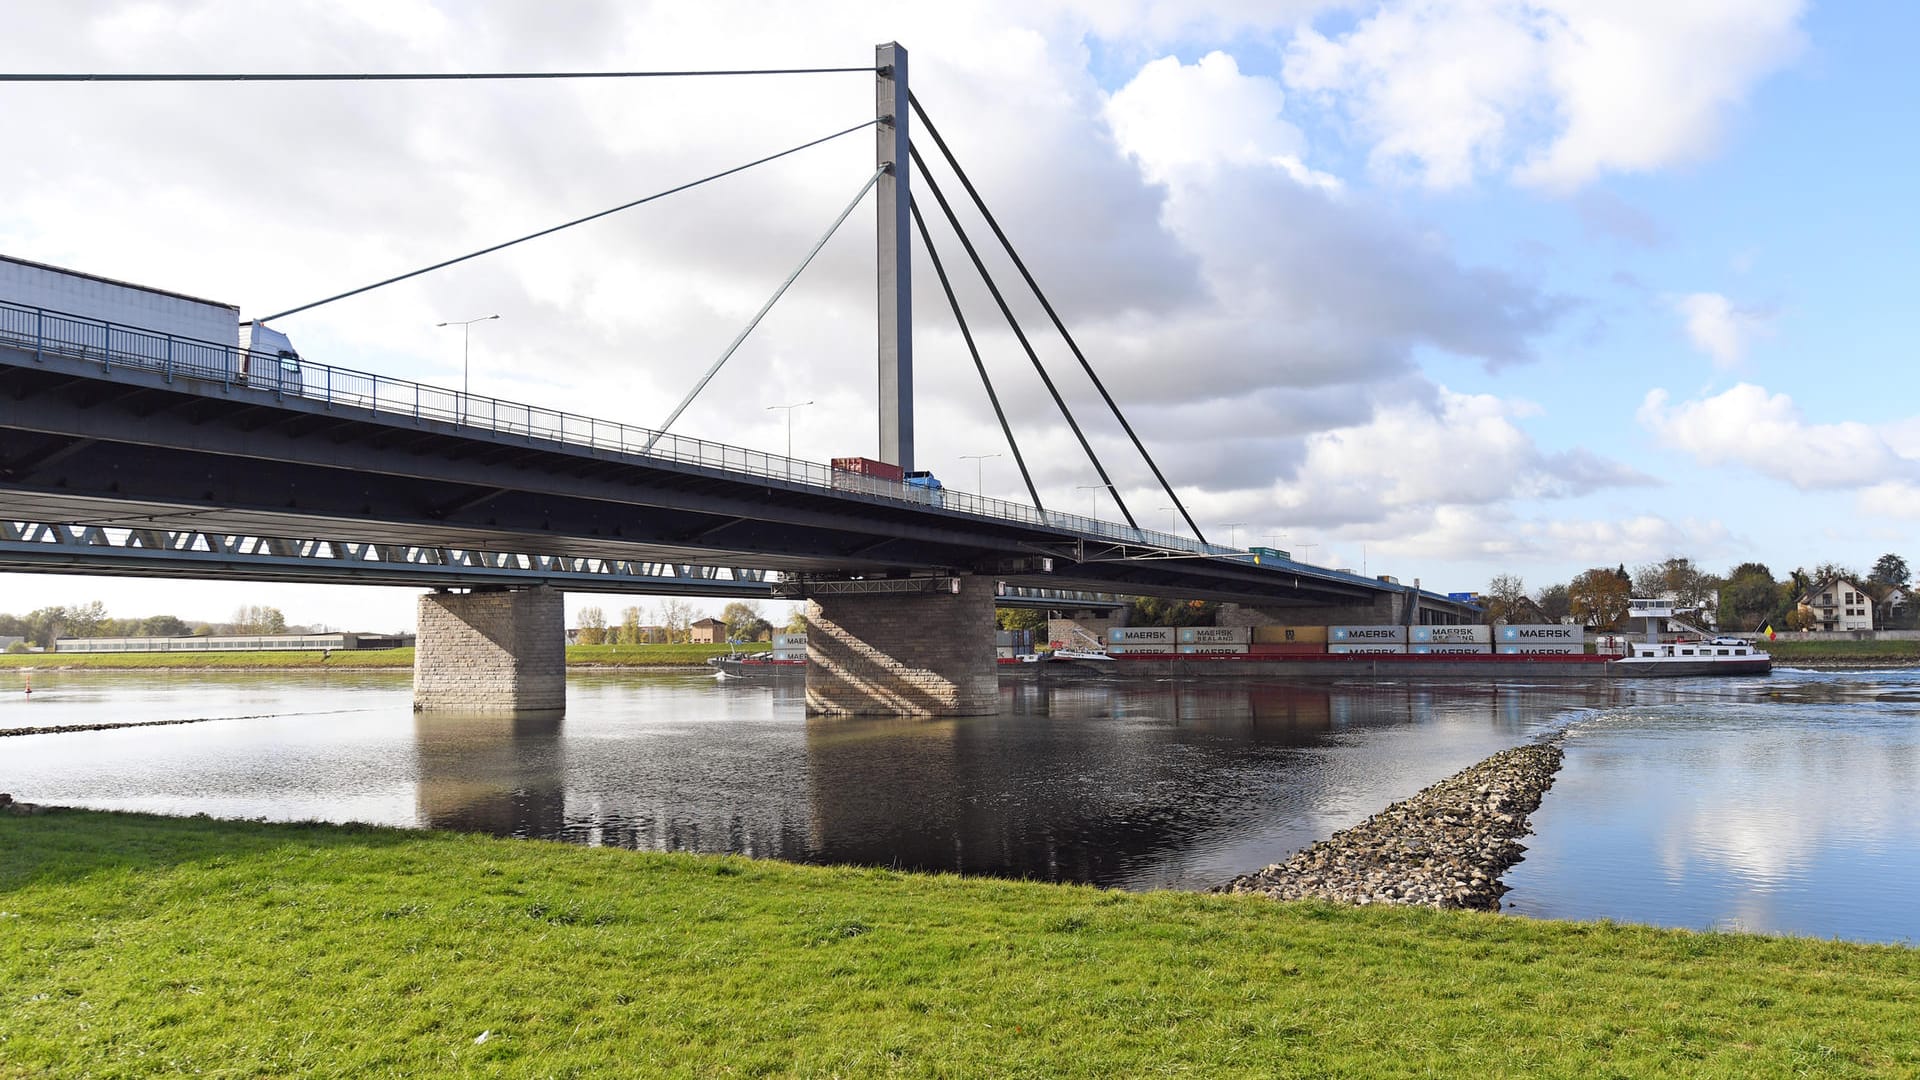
x,y
879,470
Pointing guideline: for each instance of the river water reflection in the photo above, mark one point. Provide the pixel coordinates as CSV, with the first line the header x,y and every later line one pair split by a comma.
x,y
1688,803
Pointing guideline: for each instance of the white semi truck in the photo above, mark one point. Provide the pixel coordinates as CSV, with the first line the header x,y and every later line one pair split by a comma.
x,y
66,312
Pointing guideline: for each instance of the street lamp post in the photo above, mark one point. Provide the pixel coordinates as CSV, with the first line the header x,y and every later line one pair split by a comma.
x,y
979,470
1173,519
466,345
1233,532
789,410
1096,489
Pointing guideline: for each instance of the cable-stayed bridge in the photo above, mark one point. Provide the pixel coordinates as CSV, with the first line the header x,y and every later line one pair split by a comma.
x,y
125,449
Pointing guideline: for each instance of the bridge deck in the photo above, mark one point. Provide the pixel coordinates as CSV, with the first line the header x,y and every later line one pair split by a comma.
x,y
134,443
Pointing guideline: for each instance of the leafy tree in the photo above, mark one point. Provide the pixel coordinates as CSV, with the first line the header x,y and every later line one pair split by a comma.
x,y
1891,569
1555,602
630,626
1830,571
44,625
1678,577
88,620
1503,592
744,621
1750,598
1033,619
256,619
1649,580
163,626
1158,611
1599,598
593,626
677,616
797,622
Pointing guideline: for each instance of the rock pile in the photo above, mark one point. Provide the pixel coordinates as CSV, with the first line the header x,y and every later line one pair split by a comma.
x,y
9,806
1445,847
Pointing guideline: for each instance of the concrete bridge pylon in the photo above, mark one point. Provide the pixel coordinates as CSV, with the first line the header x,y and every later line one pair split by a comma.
x,y
497,650
928,652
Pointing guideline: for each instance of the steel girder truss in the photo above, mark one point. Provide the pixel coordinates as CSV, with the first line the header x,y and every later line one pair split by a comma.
x,y
53,547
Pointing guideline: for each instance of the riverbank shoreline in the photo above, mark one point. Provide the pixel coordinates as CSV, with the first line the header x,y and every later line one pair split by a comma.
x,y
143,945
664,658
1813,656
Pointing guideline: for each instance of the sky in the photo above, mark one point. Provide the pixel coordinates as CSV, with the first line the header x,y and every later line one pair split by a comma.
x,y
1441,289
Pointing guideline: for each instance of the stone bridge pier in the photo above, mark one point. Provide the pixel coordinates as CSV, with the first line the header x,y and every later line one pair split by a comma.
x,y
926,652
492,650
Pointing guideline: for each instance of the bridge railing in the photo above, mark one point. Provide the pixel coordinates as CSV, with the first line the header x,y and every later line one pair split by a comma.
x,y
45,332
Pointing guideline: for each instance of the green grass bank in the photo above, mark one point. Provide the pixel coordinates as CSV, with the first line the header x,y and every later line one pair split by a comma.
x,y
1844,652
634,656
141,946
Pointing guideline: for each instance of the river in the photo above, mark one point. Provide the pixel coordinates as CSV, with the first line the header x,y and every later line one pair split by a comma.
x,y
1778,804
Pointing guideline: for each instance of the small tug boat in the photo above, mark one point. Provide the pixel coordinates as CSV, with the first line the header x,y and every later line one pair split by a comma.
x,y
1700,656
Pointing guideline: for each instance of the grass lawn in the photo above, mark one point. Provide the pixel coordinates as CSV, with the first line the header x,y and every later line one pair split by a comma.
x,y
370,658
654,655
1786,652
611,655
135,946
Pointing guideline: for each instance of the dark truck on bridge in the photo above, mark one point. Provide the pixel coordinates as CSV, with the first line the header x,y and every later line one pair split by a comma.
x,y
49,309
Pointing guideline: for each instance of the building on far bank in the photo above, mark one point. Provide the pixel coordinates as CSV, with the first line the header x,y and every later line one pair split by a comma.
x,y
1890,607
707,632
1837,604
234,643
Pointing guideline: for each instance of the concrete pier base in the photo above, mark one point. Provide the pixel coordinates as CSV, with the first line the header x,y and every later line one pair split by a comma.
x,y
491,651
903,654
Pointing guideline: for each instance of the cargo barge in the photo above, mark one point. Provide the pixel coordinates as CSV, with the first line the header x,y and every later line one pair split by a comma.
x,y
1320,666
1468,651
1141,665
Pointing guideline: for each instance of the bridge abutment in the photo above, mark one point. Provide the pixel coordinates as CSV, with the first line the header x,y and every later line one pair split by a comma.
x,y
903,653
492,651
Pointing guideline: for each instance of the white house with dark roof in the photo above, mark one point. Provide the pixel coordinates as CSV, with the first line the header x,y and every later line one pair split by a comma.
x,y
1837,604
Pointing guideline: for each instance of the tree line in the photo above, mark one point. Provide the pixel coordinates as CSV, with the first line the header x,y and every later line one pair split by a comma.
x,y
42,626
672,623
1746,598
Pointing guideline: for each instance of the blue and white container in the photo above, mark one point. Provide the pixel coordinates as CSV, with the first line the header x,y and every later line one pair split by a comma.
x,y
1215,635
1137,638
1471,634
1367,635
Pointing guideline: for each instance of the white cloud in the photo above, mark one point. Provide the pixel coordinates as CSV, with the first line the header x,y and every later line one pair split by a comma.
x,y
1894,499
1460,546
1553,92
1173,116
1766,432
1719,328
1460,450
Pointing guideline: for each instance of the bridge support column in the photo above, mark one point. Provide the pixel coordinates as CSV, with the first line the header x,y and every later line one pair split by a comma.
x,y
903,653
499,650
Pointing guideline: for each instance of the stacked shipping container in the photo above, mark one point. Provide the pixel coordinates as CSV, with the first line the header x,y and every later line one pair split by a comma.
x,y
1552,639
1469,640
